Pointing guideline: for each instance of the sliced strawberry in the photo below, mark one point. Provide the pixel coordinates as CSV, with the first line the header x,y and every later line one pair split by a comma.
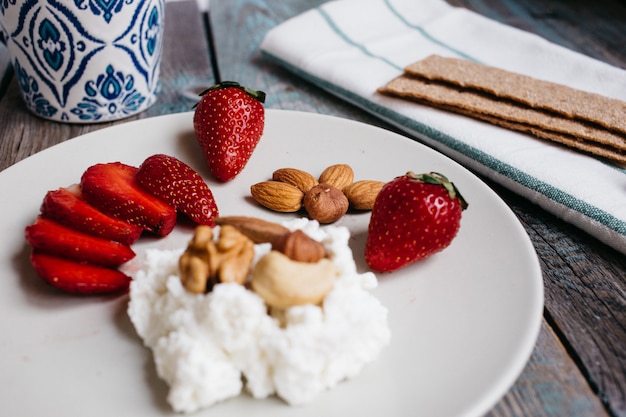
x,y
112,188
78,278
67,207
178,185
48,236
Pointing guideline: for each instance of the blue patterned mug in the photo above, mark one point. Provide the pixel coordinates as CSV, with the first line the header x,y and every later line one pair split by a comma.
x,y
84,61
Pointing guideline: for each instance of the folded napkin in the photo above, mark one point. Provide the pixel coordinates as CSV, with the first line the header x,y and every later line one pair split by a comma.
x,y
353,47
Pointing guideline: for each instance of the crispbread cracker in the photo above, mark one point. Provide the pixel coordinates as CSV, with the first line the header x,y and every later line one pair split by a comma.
x,y
564,139
506,114
569,102
470,100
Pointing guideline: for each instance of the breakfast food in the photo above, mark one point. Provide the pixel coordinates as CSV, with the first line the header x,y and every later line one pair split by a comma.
x,y
174,182
112,189
83,232
535,93
414,216
48,236
228,122
271,336
78,277
325,199
67,207
581,120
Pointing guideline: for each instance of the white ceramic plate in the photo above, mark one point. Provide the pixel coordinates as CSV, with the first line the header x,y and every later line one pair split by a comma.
x,y
464,322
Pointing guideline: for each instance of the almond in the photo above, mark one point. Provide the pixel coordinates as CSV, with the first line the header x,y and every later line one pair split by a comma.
x,y
297,177
362,194
277,196
258,230
339,176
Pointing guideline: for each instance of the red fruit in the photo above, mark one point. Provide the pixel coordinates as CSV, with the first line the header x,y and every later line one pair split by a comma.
x,y
67,207
228,122
178,185
414,216
112,189
78,278
50,237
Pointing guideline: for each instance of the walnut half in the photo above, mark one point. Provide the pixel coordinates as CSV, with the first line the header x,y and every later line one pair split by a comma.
x,y
206,262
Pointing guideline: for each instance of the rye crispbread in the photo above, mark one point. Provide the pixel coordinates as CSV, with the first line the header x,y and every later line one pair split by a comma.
x,y
558,98
497,108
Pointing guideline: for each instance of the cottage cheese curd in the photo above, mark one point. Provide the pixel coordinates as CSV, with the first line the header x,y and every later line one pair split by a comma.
x,y
204,344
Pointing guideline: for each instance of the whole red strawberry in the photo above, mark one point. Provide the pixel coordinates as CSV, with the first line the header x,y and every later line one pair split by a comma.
x,y
228,122
414,216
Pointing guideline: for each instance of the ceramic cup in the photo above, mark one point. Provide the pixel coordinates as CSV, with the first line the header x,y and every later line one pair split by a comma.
x,y
84,61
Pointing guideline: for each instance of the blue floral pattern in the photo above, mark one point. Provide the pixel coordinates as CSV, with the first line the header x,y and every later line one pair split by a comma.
x,y
60,56
31,94
111,94
103,7
51,45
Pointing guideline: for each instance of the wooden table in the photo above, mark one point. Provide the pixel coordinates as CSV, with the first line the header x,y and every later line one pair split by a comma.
x,y
578,367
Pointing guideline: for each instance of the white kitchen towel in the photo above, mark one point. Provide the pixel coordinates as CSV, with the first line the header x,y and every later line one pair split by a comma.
x,y
352,47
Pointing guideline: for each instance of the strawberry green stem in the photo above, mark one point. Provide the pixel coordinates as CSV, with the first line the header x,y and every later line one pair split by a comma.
x,y
258,95
440,179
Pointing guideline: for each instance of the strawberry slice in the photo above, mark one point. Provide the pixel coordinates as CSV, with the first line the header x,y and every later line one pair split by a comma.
x,y
78,278
181,187
48,236
67,207
112,189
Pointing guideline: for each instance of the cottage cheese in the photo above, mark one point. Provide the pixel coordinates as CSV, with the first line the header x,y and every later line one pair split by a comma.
x,y
204,345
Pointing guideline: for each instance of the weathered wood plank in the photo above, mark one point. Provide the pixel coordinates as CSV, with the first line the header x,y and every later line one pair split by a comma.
x,y
24,134
550,366
550,386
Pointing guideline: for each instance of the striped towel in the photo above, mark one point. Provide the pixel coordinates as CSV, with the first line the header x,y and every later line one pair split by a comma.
x,y
353,47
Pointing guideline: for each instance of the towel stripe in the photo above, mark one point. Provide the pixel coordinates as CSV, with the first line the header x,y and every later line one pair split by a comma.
x,y
427,35
348,40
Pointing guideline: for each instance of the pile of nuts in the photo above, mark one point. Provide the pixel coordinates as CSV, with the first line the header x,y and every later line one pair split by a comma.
x,y
296,271
325,199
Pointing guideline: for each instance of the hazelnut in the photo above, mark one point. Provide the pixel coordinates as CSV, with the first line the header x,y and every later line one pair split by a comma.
x,y
299,246
325,203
